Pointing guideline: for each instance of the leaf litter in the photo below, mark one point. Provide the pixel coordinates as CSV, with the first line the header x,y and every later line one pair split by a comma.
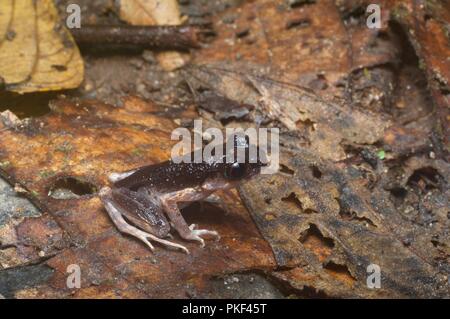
x,y
363,173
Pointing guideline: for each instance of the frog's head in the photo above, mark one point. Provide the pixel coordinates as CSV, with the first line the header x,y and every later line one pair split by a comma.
x,y
247,159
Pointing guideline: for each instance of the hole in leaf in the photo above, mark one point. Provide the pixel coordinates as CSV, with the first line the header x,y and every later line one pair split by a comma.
x,y
399,192
26,105
316,171
306,124
292,198
300,3
348,214
286,170
313,240
297,23
340,272
71,187
398,195
352,216
427,176
435,242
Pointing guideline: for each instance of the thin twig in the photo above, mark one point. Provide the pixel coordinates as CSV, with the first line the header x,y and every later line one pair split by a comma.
x,y
157,37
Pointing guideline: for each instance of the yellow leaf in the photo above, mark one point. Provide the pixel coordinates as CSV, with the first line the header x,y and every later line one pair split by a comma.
x,y
37,53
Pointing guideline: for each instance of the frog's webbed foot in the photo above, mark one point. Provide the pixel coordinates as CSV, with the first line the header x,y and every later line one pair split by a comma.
x,y
117,218
196,233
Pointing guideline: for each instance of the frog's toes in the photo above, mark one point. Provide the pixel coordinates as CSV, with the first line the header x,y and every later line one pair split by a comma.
x,y
196,233
146,237
195,237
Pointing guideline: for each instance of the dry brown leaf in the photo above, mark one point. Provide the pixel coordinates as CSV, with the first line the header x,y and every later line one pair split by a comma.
x,y
290,105
156,12
324,221
37,52
78,144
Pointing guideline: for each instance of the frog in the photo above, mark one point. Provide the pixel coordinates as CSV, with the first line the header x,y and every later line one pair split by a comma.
x,y
146,202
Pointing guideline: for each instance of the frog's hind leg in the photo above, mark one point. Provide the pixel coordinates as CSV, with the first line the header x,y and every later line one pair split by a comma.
x,y
116,213
139,209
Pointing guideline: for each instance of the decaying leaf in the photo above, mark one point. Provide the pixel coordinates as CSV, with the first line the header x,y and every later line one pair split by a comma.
x,y
363,180
327,223
434,51
291,105
37,53
426,25
156,12
338,205
223,108
72,150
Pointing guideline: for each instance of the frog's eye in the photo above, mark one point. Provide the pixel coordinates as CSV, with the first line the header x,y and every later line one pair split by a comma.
x,y
235,171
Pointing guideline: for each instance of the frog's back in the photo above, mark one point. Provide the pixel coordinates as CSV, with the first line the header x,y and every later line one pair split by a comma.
x,y
169,176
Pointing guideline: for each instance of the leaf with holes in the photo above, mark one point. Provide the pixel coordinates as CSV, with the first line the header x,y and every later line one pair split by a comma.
x,y
326,224
60,160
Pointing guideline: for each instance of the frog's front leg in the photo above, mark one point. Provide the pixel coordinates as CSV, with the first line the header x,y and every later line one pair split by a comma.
x,y
171,202
118,205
